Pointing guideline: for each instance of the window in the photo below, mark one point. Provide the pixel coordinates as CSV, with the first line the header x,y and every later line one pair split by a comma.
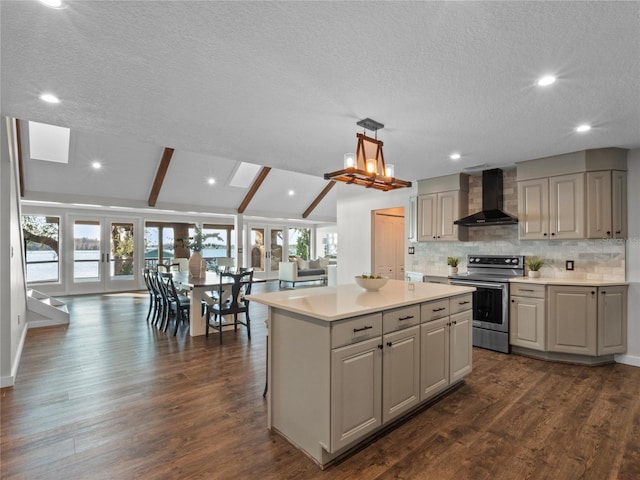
x,y
300,242
42,248
219,241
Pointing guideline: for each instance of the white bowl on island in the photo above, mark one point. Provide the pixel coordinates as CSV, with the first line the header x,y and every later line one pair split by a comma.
x,y
371,284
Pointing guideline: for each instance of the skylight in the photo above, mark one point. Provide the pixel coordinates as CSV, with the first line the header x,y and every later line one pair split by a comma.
x,y
49,142
244,175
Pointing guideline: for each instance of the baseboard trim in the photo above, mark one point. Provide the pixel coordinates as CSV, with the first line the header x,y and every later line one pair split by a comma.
x,y
10,380
632,360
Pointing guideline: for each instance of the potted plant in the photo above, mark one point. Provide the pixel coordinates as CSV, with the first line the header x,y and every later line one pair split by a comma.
x,y
534,264
453,264
195,245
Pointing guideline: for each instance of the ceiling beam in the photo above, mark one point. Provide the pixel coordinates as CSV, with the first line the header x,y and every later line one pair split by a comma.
x,y
318,199
254,188
160,174
20,164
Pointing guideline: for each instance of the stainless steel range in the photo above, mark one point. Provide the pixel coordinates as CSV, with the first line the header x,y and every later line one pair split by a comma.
x,y
490,275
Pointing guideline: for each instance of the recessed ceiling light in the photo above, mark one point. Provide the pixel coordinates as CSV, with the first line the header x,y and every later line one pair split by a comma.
x,y
291,193
49,98
96,165
546,80
454,156
583,128
211,181
52,3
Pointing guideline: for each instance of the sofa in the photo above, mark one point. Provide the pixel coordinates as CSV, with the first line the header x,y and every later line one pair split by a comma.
x,y
297,270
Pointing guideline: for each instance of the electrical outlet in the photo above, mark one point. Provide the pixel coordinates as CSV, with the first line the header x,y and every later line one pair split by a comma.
x,y
412,250
568,264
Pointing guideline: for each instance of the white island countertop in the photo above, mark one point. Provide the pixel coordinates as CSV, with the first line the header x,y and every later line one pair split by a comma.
x,y
349,300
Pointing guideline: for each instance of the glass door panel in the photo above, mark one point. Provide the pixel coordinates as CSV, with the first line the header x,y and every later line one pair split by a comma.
x,y
103,253
88,254
121,252
267,246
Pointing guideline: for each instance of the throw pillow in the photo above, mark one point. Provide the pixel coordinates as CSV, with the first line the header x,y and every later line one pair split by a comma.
x,y
303,264
314,264
324,262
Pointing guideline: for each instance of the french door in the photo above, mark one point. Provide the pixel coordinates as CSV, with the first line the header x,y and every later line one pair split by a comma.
x,y
267,249
103,253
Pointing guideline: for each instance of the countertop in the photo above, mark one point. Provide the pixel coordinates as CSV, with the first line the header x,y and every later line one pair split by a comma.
x,y
349,300
567,281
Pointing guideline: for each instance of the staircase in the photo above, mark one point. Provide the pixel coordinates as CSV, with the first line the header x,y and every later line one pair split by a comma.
x,y
45,311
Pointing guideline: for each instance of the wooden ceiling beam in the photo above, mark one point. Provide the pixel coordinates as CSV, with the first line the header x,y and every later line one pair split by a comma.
x,y
254,188
318,199
160,174
20,163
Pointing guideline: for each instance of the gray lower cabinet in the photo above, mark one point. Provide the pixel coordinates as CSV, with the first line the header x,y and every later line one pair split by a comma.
x,y
587,320
527,317
356,391
400,372
612,320
446,348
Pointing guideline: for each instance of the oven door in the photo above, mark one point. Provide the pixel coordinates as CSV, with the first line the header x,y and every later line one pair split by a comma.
x,y
490,304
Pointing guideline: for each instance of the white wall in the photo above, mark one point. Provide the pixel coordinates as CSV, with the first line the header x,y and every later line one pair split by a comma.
x,y
632,356
355,205
13,302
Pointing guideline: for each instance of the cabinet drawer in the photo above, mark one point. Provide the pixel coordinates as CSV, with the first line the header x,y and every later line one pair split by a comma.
x,y
400,318
524,290
356,329
461,303
436,309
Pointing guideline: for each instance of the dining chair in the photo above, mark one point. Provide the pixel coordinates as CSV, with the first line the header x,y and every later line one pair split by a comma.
x,y
146,274
181,304
159,305
235,305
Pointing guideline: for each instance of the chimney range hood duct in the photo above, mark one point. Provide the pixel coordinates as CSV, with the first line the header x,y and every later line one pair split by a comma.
x,y
492,212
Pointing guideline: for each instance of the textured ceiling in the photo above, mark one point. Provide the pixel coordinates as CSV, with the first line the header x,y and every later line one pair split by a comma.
x,y
282,84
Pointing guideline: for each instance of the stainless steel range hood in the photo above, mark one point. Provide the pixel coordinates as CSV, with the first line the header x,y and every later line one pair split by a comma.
x,y
492,201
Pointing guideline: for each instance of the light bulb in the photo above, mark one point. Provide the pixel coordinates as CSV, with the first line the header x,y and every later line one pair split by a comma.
x,y
389,169
349,160
372,165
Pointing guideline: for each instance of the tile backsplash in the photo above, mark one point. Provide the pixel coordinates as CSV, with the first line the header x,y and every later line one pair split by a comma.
x,y
598,260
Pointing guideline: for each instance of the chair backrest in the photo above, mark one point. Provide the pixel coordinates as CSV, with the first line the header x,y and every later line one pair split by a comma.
x,y
241,286
146,273
181,264
154,281
169,286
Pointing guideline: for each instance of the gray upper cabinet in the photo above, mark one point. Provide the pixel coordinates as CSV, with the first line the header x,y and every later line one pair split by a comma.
x,y
573,196
607,204
442,201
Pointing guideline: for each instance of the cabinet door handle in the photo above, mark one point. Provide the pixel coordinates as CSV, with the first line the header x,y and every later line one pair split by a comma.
x,y
513,301
454,322
544,234
380,346
389,344
608,233
439,309
463,303
618,232
552,234
366,327
405,318
592,292
102,257
603,293
526,290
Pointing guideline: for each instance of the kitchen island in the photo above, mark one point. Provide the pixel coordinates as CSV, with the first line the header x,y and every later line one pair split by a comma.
x,y
344,363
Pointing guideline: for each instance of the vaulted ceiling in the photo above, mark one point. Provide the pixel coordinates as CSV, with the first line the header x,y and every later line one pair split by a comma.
x,y
282,84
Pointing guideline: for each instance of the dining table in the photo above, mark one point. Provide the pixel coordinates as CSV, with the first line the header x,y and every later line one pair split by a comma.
x,y
197,288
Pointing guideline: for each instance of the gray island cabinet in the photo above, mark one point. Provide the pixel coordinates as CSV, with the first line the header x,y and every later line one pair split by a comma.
x,y
344,363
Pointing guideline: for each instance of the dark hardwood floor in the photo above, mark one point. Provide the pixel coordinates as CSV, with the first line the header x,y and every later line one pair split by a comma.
x,y
112,397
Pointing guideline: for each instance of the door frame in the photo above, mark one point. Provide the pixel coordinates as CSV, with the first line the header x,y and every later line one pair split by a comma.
x,y
106,283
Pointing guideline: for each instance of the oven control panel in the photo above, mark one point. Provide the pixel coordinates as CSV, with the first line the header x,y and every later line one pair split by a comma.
x,y
497,261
